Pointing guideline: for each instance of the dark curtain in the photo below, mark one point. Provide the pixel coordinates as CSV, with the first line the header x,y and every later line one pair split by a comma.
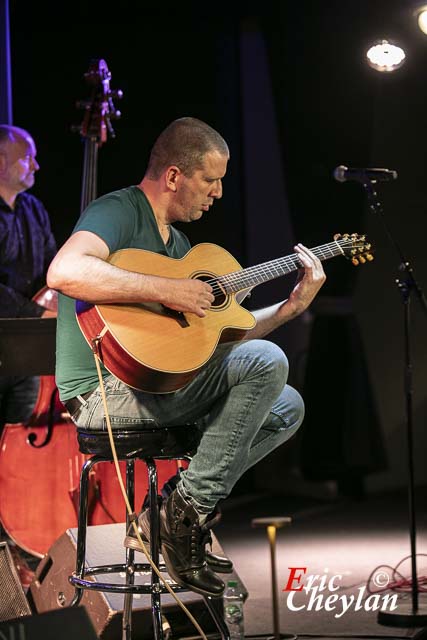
x,y
321,123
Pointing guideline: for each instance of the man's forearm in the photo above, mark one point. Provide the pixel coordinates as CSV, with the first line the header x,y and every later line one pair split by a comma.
x,y
95,280
92,279
271,318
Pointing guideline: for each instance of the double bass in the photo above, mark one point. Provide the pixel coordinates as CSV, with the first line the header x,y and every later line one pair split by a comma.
x,y
32,459
40,461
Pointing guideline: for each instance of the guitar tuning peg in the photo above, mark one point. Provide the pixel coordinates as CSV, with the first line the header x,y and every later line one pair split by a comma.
x,y
368,247
355,261
362,259
346,236
337,236
369,257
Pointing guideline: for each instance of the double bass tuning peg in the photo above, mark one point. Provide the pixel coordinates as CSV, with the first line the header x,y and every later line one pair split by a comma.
x,y
99,108
116,94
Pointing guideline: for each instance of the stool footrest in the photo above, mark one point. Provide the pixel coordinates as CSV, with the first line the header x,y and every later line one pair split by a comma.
x,y
114,587
140,567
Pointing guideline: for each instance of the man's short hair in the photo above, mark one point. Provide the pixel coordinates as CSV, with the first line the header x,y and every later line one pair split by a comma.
x,y
11,134
184,143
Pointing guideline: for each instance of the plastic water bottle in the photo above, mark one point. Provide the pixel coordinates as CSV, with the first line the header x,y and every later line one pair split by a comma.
x,y
233,610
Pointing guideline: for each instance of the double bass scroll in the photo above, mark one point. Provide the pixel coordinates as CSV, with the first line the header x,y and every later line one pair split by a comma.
x,y
96,126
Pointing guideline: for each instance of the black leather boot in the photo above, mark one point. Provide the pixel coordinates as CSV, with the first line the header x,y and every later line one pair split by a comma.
x,y
219,564
182,545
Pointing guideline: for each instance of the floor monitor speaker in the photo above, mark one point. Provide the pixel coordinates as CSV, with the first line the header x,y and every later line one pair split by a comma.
x,y
50,588
67,624
13,602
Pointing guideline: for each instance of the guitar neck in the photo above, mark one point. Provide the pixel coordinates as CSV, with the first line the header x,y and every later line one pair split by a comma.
x,y
252,276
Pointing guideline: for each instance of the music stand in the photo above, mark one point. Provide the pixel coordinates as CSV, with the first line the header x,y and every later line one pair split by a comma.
x,y
27,346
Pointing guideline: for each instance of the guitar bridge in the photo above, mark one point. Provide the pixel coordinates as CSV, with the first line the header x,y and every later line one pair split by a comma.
x,y
175,315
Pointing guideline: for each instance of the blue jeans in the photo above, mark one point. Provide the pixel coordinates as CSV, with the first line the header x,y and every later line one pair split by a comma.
x,y
239,400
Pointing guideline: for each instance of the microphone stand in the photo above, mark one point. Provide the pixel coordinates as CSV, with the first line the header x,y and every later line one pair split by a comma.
x,y
405,615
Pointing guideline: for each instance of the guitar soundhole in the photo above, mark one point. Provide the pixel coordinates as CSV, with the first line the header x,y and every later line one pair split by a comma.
x,y
221,298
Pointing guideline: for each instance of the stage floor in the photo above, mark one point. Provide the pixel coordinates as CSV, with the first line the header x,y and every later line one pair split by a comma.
x,y
343,543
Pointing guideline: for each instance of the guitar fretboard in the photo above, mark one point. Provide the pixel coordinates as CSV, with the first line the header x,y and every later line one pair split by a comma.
x,y
252,276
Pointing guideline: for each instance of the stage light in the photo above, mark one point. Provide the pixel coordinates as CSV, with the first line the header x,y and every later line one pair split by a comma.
x,y
385,56
421,14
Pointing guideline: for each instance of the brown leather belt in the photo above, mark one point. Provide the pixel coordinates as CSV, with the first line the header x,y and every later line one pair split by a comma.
x,y
75,403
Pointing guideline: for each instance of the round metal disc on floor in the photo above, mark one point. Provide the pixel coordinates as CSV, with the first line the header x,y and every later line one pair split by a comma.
x,y
404,616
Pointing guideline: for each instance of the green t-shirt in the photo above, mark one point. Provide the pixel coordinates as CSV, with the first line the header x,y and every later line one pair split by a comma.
x,y
123,219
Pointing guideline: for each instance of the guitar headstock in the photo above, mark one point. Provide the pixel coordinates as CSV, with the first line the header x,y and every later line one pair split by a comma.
x,y
99,108
355,247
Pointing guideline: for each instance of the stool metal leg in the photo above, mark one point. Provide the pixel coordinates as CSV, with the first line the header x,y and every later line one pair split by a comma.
x,y
156,610
216,609
130,569
82,525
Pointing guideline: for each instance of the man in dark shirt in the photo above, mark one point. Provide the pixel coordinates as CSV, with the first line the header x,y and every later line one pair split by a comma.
x,y
27,247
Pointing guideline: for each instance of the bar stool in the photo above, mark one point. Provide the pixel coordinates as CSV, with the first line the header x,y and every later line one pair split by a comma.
x,y
148,444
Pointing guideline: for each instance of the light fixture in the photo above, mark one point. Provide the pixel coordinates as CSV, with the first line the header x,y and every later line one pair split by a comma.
x,y
421,14
385,56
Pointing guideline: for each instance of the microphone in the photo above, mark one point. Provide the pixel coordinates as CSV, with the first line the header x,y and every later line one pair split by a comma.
x,y
342,174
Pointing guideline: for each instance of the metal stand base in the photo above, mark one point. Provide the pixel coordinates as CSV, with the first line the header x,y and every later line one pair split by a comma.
x,y
404,616
272,524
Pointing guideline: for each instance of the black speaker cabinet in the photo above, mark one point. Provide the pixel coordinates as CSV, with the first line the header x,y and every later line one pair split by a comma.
x,y
13,602
67,624
50,588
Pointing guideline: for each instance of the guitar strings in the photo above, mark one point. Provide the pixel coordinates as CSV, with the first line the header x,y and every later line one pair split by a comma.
x,y
254,275
239,280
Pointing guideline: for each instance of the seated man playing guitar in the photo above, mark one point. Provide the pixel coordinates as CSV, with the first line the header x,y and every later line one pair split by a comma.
x,y
239,397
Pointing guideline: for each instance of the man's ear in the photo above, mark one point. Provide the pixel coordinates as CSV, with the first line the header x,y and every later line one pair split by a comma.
x,y
3,162
172,177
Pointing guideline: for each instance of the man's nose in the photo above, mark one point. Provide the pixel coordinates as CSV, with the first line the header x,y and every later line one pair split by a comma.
x,y
216,191
34,164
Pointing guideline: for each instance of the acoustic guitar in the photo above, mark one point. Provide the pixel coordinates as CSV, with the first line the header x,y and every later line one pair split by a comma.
x,y
155,349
